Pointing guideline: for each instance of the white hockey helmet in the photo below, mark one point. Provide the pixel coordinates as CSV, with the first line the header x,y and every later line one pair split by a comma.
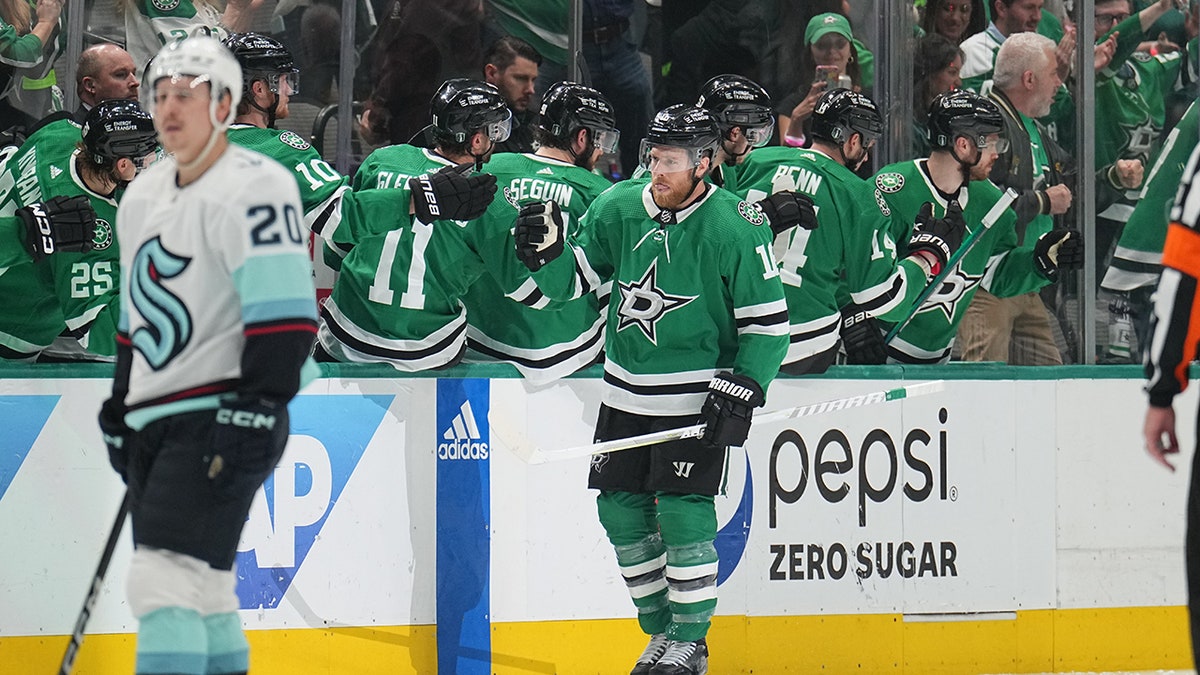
x,y
205,59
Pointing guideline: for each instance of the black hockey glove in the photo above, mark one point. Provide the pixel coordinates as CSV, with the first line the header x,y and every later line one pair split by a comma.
x,y
861,338
116,433
247,442
937,238
450,194
58,224
728,409
539,234
787,209
1058,250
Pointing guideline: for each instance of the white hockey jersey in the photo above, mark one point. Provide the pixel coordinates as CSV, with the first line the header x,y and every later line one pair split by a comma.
x,y
205,265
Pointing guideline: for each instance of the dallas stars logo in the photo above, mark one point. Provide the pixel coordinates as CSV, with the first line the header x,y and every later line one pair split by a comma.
x,y
953,288
890,182
643,303
1140,138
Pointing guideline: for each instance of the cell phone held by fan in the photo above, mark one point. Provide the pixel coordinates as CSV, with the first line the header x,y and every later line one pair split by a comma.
x,y
832,77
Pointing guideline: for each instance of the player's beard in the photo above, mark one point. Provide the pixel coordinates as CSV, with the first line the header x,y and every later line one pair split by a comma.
x,y
680,189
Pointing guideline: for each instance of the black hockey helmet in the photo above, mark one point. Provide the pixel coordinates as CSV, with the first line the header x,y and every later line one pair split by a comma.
x,y
840,113
568,107
682,126
118,128
463,106
960,112
263,58
738,101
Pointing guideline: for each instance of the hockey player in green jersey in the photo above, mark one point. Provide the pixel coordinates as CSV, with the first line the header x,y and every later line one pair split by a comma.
x,y
743,112
505,320
73,292
964,132
398,297
697,327
269,79
840,275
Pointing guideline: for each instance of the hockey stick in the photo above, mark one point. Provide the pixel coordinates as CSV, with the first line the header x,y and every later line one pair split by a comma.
x,y
989,219
89,602
520,445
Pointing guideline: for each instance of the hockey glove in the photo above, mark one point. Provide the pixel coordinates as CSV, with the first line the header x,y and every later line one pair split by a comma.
x,y
58,224
785,210
116,433
728,409
539,234
1057,250
936,239
861,338
449,194
247,442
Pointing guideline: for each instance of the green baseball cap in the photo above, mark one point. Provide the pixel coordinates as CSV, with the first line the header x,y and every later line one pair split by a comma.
x,y
823,24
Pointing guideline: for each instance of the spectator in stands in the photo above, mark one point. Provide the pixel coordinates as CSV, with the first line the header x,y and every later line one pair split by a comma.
x,y
105,71
29,44
1016,329
543,25
979,56
828,42
935,70
419,44
954,20
511,65
615,67
150,25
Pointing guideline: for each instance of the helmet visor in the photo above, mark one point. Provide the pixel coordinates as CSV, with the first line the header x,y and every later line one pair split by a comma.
x,y
499,130
291,81
606,140
760,135
658,158
998,143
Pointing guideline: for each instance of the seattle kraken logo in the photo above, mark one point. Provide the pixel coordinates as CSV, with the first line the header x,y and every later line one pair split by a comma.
x,y
168,324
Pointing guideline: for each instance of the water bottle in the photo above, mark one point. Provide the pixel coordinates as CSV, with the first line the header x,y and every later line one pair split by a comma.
x,y
1120,327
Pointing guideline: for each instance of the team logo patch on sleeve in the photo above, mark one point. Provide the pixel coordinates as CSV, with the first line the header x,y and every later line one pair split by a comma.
x,y
103,236
889,182
751,213
511,197
293,139
165,5
883,206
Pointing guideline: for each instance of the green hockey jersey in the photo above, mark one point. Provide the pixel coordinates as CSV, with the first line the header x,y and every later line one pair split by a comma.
x,y
694,292
321,186
30,325
1137,261
994,261
850,256
510,324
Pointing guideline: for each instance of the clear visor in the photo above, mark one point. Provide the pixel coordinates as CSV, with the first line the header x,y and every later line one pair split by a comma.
x,y
998,144
498,132
760,135
657,158
606,140
288,84
174,86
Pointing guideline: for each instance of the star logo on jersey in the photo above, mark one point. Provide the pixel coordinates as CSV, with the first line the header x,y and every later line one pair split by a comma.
x,y
102,237
752,213
953,288
165,5
890,182
293,139
644,304
1139,139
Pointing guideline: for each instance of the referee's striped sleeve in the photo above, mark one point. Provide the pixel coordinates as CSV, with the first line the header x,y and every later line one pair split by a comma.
x,y
1175,323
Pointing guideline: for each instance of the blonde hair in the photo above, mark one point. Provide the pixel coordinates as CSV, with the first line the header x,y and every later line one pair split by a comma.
x,y
18,14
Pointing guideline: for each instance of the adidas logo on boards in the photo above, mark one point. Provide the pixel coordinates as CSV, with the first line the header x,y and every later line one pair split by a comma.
x,y
463,440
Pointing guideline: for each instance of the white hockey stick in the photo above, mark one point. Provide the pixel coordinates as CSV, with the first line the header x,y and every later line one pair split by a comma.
x,y
522,447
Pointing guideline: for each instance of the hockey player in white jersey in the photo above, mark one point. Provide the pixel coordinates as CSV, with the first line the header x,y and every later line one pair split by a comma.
x,y
217,321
